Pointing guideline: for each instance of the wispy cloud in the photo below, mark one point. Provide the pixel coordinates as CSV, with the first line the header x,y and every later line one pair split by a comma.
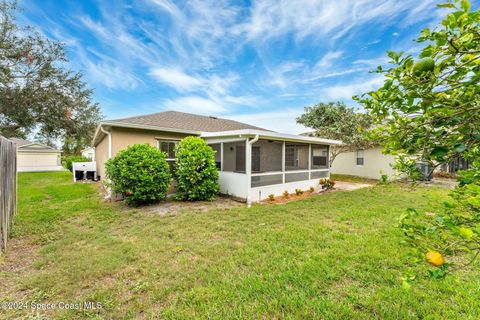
x,y
346,91
176,79
231,58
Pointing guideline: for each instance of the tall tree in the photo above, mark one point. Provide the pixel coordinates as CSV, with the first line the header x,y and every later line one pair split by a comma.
x,y
37,93
334,120
430,108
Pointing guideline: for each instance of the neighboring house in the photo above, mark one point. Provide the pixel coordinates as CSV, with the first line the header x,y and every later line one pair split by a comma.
x,y
33,156
89,153
253,162
368,163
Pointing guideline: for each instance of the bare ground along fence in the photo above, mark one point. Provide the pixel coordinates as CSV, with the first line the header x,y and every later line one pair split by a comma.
x,y
8,189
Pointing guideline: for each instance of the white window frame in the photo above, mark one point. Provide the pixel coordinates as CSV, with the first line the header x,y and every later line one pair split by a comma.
x,y
362,157
167,141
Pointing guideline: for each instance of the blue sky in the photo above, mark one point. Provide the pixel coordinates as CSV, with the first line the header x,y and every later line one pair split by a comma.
x,y
258,62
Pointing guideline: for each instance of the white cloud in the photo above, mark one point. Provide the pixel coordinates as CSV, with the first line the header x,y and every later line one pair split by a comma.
x,y
274,18
328,59
283,120
339,92
176,79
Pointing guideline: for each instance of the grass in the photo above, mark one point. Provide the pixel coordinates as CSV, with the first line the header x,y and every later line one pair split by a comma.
x,y
330,256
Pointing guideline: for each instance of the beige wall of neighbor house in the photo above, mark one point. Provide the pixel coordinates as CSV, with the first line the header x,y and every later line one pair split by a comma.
x,y
125,137
38,159
374,162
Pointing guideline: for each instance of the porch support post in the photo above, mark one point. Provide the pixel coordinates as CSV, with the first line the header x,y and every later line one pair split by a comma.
x,y
248,169
283,162
221,156
309,161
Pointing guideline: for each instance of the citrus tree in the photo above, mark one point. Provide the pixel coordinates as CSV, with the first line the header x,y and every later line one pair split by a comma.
x,y
429,109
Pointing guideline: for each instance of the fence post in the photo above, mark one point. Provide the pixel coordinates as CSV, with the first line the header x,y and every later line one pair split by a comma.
x,y
8,189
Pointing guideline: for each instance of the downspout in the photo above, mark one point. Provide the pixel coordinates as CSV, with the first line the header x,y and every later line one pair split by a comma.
x,y
254,140
248,164
109,134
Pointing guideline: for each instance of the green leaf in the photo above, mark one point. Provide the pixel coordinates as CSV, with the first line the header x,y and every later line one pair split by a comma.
x,y
465,5
446,5
466,232
460,147
439,152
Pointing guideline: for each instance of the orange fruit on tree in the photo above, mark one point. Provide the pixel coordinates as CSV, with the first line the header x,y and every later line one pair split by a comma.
x,y
435,258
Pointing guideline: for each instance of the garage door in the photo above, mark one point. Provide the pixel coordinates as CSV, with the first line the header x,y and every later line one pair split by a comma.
x,y
38,161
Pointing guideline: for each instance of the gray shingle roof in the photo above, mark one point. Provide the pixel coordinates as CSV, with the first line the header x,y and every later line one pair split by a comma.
x,y
186,121
24,143
20,142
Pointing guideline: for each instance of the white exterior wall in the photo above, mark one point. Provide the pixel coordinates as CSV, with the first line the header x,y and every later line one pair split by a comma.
x,y
38,161
89,153
233,184
374,162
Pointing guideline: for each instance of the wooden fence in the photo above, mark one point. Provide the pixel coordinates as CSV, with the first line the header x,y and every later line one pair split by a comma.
x,y
8,189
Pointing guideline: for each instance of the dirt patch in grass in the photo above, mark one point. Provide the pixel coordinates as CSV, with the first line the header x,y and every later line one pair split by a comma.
x,y
19,259
172,207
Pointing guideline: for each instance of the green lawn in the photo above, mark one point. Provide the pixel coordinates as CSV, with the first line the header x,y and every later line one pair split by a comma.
x,y
330,256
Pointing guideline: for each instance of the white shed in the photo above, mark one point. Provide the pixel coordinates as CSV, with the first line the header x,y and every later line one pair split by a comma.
x,y
33,156
89,153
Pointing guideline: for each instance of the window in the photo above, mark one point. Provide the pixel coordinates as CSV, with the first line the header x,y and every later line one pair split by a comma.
x,y
319,157
360,158
168,147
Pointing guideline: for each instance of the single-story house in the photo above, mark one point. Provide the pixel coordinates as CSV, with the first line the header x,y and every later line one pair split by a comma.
x,y
369,163
253,162
372,163
89,153
34,156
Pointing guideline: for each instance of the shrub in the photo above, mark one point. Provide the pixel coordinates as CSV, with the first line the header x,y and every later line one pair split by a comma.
x,y
383,177
140,174
298,192
196,170
286,194
71,159
271,197
327,183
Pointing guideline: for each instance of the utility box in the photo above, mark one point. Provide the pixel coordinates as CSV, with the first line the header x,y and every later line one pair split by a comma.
x,y
84,171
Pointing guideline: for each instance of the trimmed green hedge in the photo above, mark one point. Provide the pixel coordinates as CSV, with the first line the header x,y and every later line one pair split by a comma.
x,y
140,174
196,171
71,159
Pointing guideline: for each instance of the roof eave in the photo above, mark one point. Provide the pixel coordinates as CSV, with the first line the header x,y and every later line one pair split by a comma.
x,y
269,135
139,126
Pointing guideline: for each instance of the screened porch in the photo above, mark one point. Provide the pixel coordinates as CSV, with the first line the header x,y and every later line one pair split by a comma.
x,y
270,162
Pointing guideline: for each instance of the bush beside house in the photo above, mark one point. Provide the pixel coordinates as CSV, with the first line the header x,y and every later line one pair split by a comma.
x,y
71,159
140,174
196,171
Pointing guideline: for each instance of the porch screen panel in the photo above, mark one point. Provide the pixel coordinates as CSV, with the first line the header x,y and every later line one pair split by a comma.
x,y
218,157
296,156
266,180
319,157
234,156
297,176
266,156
